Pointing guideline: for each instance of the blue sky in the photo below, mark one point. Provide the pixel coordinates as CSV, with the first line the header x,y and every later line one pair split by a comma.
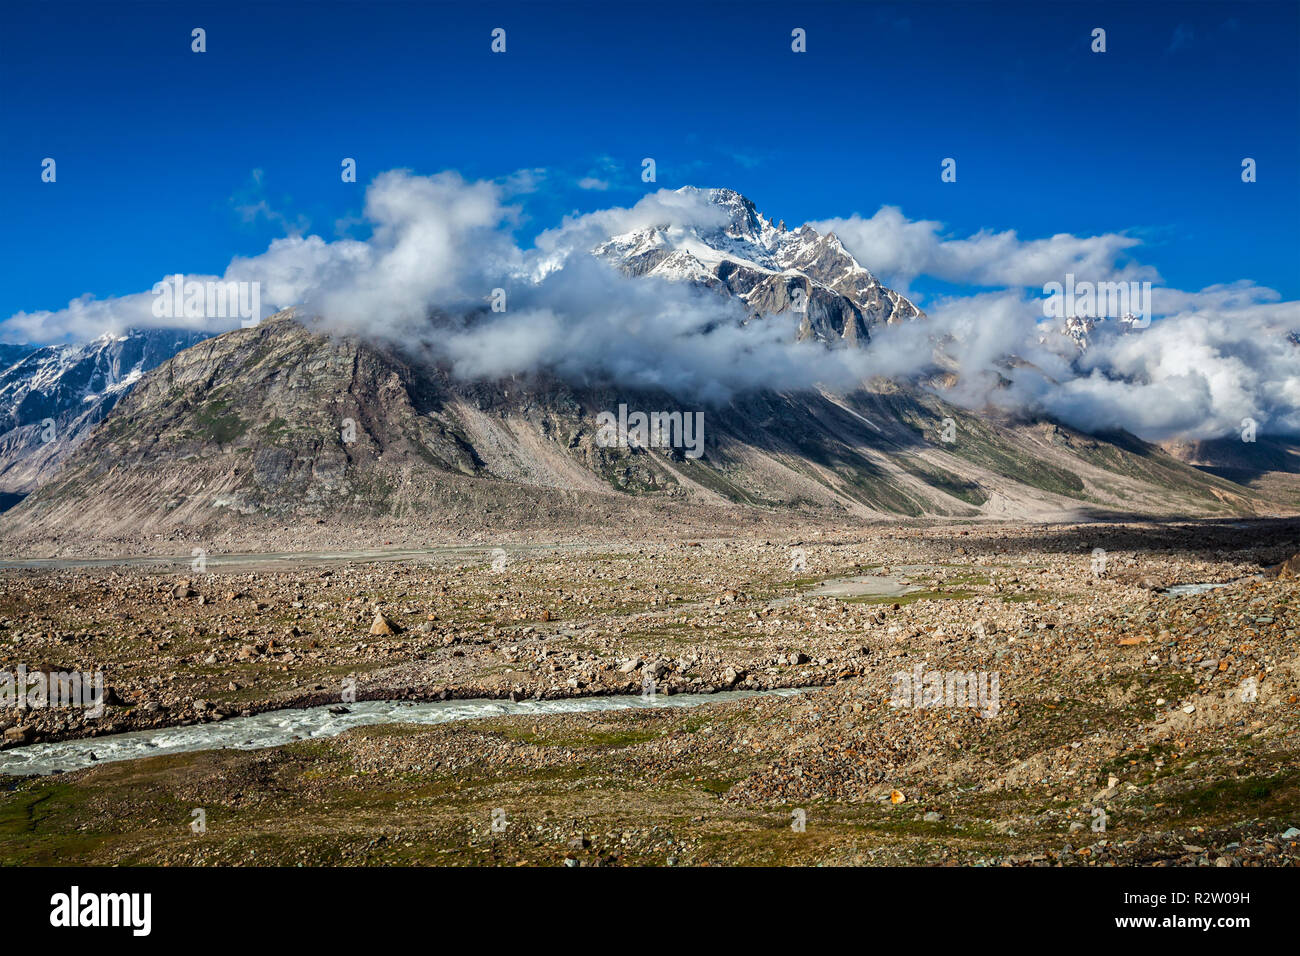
x,y
157,147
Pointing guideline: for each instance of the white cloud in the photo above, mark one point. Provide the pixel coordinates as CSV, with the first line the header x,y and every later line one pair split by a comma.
x,y
900,249
1195,373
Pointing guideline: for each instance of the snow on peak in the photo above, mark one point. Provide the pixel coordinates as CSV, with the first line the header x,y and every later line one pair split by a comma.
x,y
746,237
722,241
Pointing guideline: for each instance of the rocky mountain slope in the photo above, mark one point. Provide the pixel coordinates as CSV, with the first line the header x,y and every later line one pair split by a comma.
x,y
260,431
52,397
769,268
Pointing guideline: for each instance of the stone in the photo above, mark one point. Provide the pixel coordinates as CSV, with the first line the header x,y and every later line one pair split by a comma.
x,y
1288,570
16,735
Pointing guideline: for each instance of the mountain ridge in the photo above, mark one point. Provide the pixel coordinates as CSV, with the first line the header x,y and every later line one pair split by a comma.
x,y
167,435
242,436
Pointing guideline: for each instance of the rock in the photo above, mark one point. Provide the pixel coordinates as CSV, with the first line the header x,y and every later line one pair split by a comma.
x,y
932,817
16,735
629,665
897,796
1288,570
383,626
1290,834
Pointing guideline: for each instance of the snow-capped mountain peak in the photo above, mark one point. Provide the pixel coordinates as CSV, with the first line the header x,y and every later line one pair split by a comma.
x,y
739,251
53,396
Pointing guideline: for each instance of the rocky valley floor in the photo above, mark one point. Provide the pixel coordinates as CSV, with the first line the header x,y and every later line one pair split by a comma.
x,y
1117,723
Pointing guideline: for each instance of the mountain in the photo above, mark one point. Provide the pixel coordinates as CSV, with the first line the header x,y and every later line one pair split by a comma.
x,y
1084,331
242,442
51,397
769,268
1268,464
12,353
283,437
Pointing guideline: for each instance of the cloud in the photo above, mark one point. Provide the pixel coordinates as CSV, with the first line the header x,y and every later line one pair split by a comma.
x,y
436,247
667,207
900,249
86,317
434,241
591,182
252,206
1183,36
1222,357
589,323
1196,374
524,181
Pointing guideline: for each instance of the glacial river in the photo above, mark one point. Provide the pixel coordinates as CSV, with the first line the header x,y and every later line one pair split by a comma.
x,y
276,727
